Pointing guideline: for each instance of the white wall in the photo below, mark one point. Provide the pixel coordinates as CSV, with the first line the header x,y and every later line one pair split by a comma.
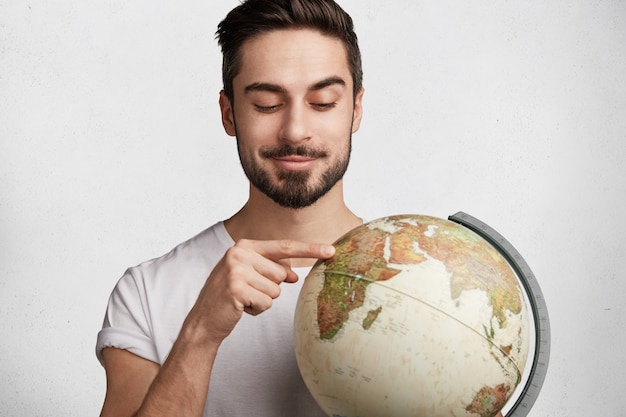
x,y
111,152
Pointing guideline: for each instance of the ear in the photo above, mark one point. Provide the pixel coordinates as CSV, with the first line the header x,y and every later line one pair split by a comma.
x,y
228,118
357,113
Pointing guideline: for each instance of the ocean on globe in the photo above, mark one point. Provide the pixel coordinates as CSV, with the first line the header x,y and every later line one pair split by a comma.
x,y
413,316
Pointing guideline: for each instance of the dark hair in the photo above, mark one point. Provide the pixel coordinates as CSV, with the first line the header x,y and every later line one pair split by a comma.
x,y
255,17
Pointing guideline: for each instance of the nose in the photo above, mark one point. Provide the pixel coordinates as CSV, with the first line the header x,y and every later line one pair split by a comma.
x,y
296,124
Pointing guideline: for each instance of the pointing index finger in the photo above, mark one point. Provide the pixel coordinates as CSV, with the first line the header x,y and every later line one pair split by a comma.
x,y
285,248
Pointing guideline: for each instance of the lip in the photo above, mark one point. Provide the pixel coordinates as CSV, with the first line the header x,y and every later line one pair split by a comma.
x,y
295,163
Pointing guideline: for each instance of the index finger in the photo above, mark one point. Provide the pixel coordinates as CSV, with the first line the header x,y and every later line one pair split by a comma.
x,y
286,248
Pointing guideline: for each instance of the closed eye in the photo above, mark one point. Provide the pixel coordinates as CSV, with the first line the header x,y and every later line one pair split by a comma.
x,y
324,106
267,109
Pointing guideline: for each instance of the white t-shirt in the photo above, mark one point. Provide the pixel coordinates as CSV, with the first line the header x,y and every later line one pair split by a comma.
x,y
255,372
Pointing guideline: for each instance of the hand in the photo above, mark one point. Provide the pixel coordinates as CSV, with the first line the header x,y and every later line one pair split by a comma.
x,y
248,279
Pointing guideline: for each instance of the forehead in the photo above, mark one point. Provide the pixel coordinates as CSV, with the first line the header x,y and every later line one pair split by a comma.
x,y
292,58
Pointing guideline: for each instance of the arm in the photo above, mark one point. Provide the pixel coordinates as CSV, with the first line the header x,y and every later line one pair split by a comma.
x,y
246,279
128,379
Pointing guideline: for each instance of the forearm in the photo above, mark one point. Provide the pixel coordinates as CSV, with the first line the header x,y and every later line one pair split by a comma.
x,y
180,388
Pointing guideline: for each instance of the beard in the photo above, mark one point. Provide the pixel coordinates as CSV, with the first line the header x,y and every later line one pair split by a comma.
x,y
294,189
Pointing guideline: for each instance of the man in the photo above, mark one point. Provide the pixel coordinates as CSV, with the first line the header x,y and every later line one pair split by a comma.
x,y
205,330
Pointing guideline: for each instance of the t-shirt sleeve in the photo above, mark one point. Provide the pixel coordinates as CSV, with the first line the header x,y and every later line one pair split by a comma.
x,y
127,324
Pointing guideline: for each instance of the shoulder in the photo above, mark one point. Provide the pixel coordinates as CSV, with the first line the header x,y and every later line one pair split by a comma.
x,y
202,250
184,268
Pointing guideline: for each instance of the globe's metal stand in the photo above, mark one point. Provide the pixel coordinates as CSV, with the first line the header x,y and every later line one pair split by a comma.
x,y
541,355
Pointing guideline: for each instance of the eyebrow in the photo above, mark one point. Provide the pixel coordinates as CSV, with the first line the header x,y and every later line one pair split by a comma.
x,y
334,80
275,88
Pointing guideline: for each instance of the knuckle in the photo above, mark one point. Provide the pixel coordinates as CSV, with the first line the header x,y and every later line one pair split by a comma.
x,y
266,304
275,292
234,254
259,307
286,245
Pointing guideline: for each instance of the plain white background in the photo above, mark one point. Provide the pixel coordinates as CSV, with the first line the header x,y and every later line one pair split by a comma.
x,y
112,152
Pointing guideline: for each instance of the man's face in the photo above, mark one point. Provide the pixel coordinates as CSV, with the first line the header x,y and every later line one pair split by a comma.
x,y
294,114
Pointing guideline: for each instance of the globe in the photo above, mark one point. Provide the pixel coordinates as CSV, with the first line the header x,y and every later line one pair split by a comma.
x,y
413,316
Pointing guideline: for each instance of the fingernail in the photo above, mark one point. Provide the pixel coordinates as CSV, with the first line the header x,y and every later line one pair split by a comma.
x,y
328,250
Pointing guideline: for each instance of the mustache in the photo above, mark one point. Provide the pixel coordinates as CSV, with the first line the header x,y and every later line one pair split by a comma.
x,y
290,150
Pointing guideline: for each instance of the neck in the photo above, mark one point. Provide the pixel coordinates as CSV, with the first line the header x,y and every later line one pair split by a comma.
x,y
323,222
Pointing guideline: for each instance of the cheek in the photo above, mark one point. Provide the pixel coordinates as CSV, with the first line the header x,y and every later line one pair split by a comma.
x,y
254,130
337,126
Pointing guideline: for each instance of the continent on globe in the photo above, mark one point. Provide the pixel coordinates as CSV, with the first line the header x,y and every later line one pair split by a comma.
x,y
489,399
414,315
362,252
344,292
